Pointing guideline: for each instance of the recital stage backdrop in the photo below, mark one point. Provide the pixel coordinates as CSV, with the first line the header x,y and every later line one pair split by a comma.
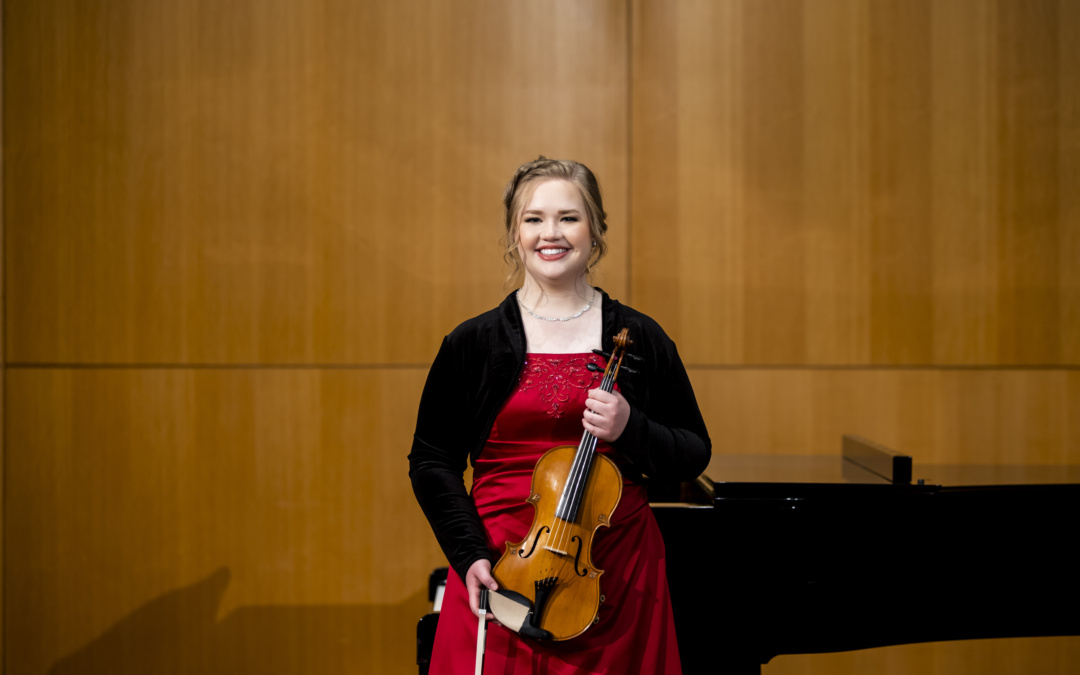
x,y
235,232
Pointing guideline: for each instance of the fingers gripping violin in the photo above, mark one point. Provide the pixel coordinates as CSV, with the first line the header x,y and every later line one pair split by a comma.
x,y
548,586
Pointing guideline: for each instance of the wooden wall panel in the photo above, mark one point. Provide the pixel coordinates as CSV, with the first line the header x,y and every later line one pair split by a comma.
x,y
864,183
1069,176
268,182
1028,129
963,260
955,416
253,518
899,185
258,183
771,165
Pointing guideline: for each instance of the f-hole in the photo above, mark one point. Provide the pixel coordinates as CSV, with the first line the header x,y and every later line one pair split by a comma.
x,y
577,557
539,532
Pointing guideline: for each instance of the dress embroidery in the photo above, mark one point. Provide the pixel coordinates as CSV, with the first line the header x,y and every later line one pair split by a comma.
x,y
555,377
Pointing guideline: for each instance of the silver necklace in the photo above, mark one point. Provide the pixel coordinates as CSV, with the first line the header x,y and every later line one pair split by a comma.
x,y
534,315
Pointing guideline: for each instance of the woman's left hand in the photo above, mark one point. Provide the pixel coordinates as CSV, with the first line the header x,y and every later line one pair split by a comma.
x,y
606,414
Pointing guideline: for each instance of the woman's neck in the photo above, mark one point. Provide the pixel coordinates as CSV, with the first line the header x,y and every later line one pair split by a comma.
x,y
555,300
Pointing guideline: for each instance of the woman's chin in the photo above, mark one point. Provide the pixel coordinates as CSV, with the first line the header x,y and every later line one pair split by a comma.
x,y
558,274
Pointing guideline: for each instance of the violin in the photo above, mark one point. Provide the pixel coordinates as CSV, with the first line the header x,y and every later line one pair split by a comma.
x,y
549,588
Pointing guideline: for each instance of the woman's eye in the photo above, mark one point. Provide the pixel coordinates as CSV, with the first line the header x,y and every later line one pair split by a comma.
x,y
532,219
570,219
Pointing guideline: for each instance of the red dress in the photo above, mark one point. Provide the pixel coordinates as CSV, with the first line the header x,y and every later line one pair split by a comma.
x,y
635,632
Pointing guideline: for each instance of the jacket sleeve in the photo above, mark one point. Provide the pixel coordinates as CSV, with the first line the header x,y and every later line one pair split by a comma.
x,y
665,437
440,451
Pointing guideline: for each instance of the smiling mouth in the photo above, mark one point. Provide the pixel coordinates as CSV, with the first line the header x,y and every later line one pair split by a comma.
x,y
552,253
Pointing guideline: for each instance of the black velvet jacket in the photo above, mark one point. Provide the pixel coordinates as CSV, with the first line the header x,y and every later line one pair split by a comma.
x,y
476,370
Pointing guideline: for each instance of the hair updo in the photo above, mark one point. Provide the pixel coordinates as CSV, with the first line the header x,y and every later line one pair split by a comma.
x,y
521,187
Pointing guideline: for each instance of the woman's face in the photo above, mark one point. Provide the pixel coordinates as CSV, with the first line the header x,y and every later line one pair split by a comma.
x,y
553,237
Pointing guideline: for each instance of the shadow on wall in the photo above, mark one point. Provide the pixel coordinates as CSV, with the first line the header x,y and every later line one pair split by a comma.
x,y
178,634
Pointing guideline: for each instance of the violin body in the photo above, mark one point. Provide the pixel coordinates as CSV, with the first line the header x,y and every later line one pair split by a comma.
x,y
552,567
548,586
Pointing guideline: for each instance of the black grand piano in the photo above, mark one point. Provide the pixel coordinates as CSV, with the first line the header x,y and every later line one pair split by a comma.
x,y
794,555
807,554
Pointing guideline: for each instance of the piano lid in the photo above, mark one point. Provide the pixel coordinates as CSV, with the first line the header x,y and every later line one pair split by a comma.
x,y
830,469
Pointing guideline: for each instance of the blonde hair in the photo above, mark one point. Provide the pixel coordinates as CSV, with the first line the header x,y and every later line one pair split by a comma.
x,y
520,189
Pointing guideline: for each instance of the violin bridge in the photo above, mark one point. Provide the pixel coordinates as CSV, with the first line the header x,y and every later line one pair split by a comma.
x,y
554,550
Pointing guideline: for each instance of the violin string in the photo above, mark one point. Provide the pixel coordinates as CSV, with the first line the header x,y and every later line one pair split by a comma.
x,y
570,501
579,470
576,479
559,531
578,475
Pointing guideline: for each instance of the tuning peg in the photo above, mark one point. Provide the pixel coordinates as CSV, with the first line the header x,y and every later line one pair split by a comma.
x,y
634,357
593,367
627,369
601,352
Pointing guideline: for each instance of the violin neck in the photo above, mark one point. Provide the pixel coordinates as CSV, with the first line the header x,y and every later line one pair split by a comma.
x,y
570,499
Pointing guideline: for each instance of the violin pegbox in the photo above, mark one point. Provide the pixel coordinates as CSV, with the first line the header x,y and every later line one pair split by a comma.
x,y
622,343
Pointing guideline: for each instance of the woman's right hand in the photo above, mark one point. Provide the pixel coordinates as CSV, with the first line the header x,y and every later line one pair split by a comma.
x,y
479,576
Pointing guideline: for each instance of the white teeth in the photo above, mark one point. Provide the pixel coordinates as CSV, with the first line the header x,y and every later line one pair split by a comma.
x,y
552,251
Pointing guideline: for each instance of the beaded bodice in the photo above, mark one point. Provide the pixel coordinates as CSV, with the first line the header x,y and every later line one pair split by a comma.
x,y
549,400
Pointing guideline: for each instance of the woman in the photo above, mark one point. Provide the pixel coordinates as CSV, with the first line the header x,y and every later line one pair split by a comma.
x,y
510,384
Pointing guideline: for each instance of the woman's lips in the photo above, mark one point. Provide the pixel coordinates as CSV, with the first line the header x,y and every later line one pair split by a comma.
x,y
552,253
